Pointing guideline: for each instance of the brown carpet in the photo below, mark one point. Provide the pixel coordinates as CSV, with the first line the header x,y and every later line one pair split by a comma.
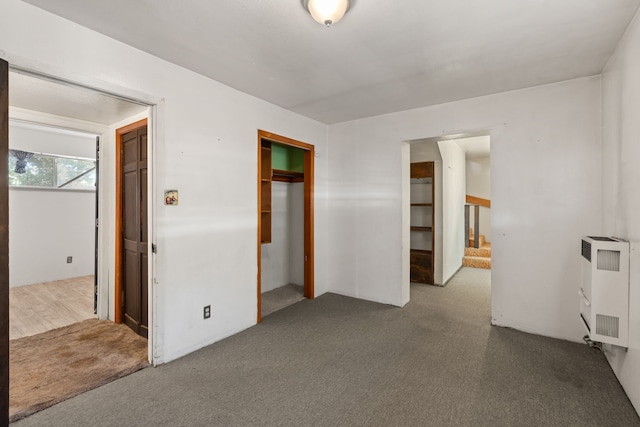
x,y
53,366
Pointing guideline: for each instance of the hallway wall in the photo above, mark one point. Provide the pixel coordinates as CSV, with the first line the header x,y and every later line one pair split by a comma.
x,y
453,200
479,185
621,198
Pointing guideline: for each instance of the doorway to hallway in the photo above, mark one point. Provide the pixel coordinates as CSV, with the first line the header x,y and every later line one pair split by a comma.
x,y
458,203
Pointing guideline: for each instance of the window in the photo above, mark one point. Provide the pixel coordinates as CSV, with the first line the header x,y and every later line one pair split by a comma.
x,y
75,173
51,171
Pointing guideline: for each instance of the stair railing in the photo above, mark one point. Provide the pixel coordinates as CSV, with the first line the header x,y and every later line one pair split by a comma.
x,y
476,225
474,202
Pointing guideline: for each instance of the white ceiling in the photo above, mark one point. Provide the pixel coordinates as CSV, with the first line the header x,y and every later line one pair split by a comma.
x,y
384,56
64,100
475,147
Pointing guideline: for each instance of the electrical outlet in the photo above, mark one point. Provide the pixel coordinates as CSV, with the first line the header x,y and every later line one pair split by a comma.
x,y
207,311
69,259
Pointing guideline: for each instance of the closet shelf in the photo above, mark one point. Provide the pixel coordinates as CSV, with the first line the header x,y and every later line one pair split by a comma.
x,y
421,251
287,176
422,236
265,191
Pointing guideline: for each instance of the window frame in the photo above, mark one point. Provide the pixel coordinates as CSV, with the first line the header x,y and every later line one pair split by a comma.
x,y
55,186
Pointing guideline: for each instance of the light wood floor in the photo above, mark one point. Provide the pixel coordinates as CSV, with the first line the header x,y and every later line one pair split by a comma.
x,y
38,308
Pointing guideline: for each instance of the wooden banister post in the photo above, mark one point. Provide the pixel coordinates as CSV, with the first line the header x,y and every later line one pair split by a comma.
x,y
466,226
476,226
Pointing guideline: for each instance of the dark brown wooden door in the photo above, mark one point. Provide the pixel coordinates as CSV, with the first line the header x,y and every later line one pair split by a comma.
x,y
134,230
4,243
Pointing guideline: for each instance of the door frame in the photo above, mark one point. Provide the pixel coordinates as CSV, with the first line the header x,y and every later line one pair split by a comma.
x,y
155,116
96,229
117,298
4,242
309,264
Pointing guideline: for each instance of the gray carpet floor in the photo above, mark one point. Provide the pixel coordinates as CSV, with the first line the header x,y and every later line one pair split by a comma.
x,y
281,297
338,361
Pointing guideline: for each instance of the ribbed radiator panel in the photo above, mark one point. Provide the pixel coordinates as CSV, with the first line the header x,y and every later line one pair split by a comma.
x,y
608,260
608,326
586,250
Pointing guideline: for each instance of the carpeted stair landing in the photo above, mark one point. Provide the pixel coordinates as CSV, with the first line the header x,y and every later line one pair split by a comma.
x,y
478,257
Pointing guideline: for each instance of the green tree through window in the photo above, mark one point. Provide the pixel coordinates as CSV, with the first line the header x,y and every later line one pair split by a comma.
x,y
50,171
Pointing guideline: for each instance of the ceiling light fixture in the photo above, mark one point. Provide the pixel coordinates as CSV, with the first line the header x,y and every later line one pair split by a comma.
x,y
327,12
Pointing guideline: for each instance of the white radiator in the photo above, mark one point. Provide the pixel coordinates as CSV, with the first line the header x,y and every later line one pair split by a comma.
x,y
604,289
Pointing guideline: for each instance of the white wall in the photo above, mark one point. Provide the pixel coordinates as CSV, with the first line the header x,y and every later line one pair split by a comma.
x,y
546,187
283,258
453,200
405,212
296,233
50,140
204,145
479,185
621,198
275,255
46,226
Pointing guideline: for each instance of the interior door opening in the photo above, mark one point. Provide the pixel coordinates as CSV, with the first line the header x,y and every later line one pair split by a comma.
x,y
42,100
59,103
52,198
449,207
285,222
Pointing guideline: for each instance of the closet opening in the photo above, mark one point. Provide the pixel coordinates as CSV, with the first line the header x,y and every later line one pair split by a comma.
x,y
285,222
